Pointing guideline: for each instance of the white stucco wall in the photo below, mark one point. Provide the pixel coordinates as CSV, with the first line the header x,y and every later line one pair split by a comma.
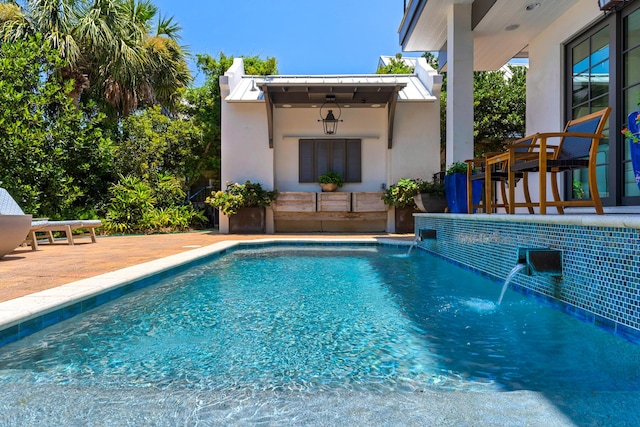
x,y
247,156
545,78
415,152
368,124
416,142
245,149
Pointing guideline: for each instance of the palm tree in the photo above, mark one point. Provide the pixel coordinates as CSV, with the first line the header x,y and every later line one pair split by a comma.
x,y
167,72
108,47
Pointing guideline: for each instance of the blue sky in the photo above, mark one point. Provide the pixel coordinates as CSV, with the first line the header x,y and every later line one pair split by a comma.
x,y
305,36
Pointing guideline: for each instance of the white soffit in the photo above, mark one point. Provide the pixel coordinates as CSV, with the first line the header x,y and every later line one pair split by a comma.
x,y
493,44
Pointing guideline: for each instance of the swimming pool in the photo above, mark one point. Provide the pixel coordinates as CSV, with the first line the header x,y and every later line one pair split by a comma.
x,y
282,324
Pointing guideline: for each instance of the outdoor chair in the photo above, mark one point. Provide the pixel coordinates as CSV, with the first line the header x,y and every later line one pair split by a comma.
x,y
67,227
8,206
477,171
577,148
493,168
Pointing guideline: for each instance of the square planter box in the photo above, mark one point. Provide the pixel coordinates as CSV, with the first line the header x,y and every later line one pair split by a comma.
x,y
248,221
404,220
456,191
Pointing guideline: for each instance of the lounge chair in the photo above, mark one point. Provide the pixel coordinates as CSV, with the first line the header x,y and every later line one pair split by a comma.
x,y
577,148
8,206
64,226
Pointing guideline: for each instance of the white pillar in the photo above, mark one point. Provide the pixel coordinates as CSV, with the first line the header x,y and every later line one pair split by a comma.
x,y
225,90
459,84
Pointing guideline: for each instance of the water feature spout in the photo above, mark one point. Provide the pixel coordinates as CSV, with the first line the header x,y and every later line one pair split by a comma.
x,y
541,261
535,262
427,234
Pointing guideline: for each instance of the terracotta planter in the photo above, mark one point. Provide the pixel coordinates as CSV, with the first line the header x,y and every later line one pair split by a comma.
x,y
404,219
329,188
248,221
433,203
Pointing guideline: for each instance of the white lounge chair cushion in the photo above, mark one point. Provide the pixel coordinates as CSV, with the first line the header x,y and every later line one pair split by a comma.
x,y
74,224
8,206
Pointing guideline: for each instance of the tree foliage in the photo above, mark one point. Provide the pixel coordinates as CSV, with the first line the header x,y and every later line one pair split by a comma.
x,y
205,103
109,49
93,98
153,143
54,157
499,104
499,107
396,66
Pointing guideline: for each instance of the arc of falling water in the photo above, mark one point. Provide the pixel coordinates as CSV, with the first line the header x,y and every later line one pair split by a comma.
x,y
415,243
515,270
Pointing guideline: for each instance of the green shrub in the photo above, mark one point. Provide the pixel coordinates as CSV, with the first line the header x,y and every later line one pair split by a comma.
x,y
238,196
457,167
401,194
138,206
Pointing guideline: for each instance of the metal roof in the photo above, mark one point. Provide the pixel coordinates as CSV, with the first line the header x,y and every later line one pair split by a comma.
x,y
308,91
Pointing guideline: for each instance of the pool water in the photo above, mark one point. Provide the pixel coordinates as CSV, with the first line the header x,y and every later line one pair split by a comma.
x,y
324,319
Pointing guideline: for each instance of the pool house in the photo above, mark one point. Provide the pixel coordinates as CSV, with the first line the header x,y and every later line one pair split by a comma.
x,y
274,132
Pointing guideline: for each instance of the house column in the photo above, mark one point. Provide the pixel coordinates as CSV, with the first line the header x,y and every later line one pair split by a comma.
x,y
459,84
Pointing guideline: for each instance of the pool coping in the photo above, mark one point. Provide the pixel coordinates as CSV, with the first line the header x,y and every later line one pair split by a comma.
x,y
609,220
22,316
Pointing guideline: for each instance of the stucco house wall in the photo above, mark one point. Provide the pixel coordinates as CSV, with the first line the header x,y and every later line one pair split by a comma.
x,y
293,124
545,77
416,143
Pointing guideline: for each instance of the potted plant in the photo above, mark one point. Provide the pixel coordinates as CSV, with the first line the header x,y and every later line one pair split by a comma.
x,y
400,196
330,181
632,133
455,182
244,204
431,196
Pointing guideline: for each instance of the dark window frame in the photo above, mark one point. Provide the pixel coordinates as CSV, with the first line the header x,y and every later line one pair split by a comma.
x,y
617,119
317,156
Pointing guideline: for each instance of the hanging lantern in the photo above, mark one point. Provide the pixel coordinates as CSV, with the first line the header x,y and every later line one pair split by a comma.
x,y
328,118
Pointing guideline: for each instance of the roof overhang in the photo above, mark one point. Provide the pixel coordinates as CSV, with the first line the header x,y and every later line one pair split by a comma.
x,y
289,93
502,29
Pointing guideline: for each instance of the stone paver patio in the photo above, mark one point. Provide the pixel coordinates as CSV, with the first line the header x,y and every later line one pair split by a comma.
x,y
25,271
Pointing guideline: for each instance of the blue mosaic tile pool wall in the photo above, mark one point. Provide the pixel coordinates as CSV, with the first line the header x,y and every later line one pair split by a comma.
x,y
601,265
